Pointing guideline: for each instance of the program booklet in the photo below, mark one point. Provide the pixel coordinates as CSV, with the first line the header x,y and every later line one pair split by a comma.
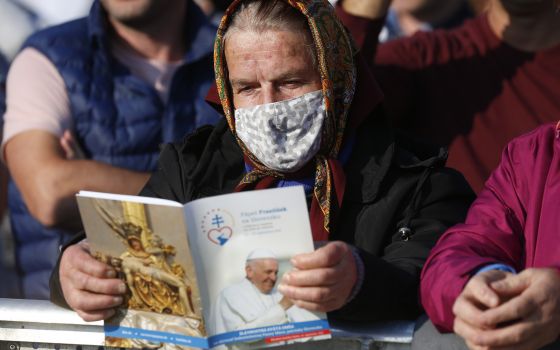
x,y
204,274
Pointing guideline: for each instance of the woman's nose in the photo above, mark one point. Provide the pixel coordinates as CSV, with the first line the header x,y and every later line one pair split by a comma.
x,y
269,95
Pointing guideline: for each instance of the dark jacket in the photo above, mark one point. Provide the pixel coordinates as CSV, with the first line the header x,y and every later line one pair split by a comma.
x,y
119,119
388,188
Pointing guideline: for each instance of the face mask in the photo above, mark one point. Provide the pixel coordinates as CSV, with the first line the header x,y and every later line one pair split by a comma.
x,y
283,135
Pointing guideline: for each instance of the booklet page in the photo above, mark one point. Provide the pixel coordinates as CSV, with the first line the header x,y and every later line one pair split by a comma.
x,y
147,245
242,245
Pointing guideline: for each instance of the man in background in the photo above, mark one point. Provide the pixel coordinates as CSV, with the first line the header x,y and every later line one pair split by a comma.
x,y
473,88
88,103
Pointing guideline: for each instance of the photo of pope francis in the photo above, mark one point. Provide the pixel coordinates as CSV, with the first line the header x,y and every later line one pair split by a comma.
x,y
254,302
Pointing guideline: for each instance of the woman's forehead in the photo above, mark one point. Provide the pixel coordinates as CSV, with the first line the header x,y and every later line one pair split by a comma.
x,y
247,48
242,42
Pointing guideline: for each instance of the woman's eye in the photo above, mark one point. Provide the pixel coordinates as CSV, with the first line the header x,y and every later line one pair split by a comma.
x,y
292,83
245,89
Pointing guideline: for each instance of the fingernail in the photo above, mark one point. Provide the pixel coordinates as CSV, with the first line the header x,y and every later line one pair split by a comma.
x,y
118,300
286,278
281,288
122,288
111,274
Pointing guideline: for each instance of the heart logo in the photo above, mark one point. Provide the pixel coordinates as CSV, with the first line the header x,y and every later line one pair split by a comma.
x,y
220,236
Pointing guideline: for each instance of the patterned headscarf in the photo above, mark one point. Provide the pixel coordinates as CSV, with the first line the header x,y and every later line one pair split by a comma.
x,y
335,54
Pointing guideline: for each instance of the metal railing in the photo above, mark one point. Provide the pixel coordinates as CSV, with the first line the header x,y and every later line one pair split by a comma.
x,y
38,324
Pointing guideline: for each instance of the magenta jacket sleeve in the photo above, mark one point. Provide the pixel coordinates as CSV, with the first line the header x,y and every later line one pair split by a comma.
x,y
492,233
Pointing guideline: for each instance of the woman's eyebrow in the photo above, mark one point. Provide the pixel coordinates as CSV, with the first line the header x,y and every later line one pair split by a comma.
x,y
241,82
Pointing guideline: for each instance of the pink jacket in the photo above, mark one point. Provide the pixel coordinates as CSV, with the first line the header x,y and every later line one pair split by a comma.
x,y
514,221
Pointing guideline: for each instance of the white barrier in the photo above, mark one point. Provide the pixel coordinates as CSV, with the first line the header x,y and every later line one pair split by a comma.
x,y
38,324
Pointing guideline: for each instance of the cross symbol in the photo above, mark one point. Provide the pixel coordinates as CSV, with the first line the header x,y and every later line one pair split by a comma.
x,y
217,220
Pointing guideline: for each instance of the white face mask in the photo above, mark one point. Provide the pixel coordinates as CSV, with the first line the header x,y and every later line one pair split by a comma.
x,y
283,135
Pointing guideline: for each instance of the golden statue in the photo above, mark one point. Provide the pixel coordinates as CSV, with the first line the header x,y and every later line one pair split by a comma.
x,y
154,283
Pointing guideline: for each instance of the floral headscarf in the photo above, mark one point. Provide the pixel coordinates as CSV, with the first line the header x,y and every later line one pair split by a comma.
x,y
335,53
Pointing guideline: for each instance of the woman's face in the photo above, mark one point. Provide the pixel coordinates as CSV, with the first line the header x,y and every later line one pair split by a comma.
x,y
269,67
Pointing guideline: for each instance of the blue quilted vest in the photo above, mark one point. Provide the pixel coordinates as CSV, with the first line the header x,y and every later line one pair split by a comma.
x,y
119,119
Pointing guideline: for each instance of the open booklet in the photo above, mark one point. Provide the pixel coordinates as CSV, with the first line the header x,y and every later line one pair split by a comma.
x,y
203,274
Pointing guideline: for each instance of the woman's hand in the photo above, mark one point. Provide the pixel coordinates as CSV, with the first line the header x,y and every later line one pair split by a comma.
x,y
89,286
322,280
498,310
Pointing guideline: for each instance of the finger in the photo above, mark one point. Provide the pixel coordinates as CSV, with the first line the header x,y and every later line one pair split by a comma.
x,y
317,307
96,315
509,336
67,136
84,244
308,294
479,289
472,346
91,302
327,256
95,268
530,344
88,283
514,285
512,310
77,258
467,331
313,277
468,310
66,144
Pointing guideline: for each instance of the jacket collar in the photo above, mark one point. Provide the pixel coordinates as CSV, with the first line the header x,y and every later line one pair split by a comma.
x,y
379,149
199,32
97,25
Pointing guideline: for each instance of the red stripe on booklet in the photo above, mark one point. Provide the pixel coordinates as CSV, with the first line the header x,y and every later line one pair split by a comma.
x,y
297,336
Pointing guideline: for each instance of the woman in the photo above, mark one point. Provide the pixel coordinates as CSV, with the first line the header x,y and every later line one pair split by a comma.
x,y
301,109
495,280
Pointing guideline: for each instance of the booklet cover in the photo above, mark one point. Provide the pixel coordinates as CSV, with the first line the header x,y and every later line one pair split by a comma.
x,y
203,274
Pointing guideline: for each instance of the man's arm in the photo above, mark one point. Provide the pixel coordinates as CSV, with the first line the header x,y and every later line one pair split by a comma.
x,y
37,118
48,181
393,63
364,19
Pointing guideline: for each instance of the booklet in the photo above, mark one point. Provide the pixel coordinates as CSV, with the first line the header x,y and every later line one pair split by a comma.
x,y
203,274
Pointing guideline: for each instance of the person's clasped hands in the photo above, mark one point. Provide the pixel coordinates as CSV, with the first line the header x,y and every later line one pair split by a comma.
x,y
501,310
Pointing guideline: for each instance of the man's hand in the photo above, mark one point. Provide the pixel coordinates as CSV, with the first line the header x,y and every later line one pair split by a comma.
x,y
49,181
371,9
322,280
70,146
89,286
527,315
